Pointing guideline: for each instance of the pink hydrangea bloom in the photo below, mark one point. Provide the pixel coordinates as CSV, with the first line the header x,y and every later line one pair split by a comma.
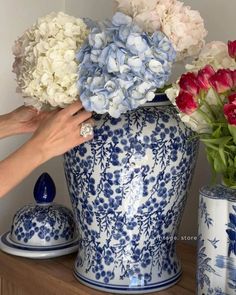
x,y
183,26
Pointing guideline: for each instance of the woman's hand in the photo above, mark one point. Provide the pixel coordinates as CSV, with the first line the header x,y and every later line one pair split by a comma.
x,y
22,120
57,134
27,119
60,132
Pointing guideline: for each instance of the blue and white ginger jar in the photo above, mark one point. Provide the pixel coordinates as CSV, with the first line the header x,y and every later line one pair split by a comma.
x,y
128,188
216,274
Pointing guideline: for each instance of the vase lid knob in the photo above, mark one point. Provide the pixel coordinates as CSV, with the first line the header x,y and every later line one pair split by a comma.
x,y
44,189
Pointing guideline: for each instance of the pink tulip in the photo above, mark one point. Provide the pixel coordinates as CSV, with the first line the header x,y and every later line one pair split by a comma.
x,y
232,98
222,80
188,83
230,113
233,74
232,49
186,102
203,77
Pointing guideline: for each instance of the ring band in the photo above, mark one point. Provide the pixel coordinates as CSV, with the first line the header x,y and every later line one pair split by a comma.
x,y
86,130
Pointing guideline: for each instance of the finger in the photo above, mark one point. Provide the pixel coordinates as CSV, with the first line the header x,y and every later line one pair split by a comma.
x,y
84,139
81,117
90,121
72,109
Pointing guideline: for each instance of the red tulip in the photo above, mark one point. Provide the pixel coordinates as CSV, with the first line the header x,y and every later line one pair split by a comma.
x,y
203,77
222,80
186,102
230,113
233,74
232,49
188,83
232,98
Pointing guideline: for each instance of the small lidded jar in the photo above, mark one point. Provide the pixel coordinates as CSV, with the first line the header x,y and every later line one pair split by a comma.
x,y
46,223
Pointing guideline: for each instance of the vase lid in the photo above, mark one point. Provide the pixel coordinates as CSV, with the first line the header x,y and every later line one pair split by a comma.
x,y
42,226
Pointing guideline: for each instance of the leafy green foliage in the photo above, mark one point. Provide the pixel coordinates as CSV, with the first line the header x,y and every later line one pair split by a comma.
x,y
221,151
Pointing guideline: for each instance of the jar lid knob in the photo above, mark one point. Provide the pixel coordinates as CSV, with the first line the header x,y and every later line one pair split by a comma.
x,y
44,189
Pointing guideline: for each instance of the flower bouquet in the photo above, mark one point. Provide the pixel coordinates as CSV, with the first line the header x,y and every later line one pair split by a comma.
x,y
112,66
206,100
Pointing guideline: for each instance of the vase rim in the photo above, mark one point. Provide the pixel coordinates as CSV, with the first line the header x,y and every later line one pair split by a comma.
x,y
218,192
160,99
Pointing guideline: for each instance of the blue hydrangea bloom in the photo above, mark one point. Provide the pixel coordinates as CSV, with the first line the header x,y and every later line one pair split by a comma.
x,y
121,66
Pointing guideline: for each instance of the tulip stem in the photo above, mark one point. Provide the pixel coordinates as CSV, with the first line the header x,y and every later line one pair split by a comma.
x,y
205,116
210,109
219,98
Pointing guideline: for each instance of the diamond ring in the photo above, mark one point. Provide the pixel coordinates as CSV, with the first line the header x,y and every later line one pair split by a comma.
x,y
86,130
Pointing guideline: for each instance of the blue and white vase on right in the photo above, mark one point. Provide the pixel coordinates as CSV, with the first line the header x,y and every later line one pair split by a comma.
x,y
216,274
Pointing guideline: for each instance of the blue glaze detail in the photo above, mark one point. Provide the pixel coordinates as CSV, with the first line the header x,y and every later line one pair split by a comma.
x,y
128,188
231,232
44,189
204,213
205,270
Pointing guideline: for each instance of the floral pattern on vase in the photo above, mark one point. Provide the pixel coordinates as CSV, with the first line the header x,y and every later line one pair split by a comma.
x,y
216,273
34,225
128,188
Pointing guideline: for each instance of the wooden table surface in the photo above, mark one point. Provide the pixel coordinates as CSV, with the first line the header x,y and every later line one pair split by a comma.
x,y
21,276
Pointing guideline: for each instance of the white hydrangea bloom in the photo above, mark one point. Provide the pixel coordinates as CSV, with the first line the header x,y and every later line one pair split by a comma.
x,y
173,92
45,60
215,54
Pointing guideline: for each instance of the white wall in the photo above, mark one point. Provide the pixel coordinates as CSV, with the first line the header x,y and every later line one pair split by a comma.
x,y
96,9
15,16
219,17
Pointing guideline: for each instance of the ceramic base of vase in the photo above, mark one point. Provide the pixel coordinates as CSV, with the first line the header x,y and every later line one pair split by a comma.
x,y
125,289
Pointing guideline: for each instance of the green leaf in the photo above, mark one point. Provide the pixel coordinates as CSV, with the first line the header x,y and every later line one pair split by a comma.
x,y
232,130
216,141
229,182
219,165
211,161
231,162
215,160
231,148
211,146
234,163
217,133
222,149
